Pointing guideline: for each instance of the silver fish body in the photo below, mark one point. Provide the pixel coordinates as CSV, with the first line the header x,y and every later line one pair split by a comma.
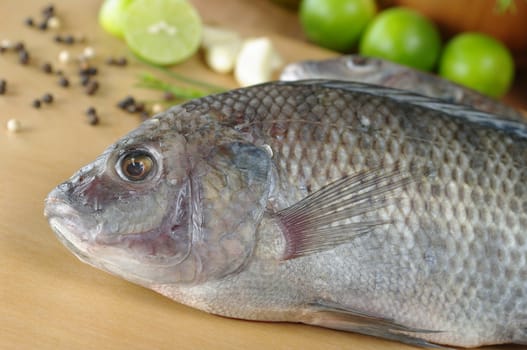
x,y
385,73
342,205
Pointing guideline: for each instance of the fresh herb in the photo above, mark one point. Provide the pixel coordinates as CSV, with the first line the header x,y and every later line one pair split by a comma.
x,y
180,92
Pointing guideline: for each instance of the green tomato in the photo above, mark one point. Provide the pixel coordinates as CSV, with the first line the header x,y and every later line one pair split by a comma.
x,y
336,24
404,36
111,16
479,62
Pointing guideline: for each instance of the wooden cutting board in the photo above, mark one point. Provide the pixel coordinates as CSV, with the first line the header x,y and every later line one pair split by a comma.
x,y
50,300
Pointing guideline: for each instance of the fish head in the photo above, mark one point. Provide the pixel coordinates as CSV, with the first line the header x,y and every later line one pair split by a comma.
x,y
156,208
348,67
128,212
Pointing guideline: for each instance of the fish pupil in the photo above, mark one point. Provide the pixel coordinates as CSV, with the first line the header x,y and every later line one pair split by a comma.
x,y
136,166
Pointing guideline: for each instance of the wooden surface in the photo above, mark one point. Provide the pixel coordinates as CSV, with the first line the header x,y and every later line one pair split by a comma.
x,y
50,300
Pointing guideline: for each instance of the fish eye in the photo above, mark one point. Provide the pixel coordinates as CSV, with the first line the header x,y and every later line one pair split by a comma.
x,y
135,165
359,61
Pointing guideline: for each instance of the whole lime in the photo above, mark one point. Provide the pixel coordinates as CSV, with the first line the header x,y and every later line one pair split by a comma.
x,y
404,36
336,24
479,62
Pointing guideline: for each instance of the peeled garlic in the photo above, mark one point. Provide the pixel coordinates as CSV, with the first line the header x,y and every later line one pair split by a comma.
x,y
214,36
256,61
221,47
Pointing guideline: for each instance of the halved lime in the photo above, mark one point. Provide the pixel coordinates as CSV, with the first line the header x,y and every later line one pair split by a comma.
x,y
162,32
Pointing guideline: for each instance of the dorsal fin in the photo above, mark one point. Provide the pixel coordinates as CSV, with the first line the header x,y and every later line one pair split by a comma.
x,y
463,112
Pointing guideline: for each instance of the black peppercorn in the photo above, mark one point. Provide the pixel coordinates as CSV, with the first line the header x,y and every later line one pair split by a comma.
x,y
47,68
48,11
91,111
127,101
43,25
64,82
92,87
69,40
47,98
23,57
19,46
85,79
122,61
3,86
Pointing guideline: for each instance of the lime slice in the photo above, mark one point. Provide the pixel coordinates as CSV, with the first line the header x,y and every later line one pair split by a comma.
x,y
162,32
111,16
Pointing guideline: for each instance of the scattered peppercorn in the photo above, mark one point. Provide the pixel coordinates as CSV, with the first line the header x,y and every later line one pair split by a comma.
x,y
85,79
36,103
69,40
29,22
48,11
93,119
139,107
64,82
168,96
47,98
43,25
47,68
88,71
3,86
91,113
23,57
92,87
57,38
127,101
121,61
19,46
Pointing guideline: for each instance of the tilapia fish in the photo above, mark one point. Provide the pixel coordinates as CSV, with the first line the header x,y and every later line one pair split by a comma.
x,y
342,205
381,72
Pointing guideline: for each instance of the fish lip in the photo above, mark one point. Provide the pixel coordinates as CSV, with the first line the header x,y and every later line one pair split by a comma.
x,y
63,219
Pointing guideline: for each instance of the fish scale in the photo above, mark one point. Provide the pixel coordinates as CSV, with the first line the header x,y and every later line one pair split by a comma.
x,y
335,204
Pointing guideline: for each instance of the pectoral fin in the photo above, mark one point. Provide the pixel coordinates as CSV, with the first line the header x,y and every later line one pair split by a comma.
x,y
340,211
330,315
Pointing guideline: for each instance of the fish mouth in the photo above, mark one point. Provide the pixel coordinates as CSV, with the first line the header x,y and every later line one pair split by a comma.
x,y
122,254
63,219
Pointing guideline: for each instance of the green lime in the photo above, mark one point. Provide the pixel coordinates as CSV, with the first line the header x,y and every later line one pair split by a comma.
x,y
111,16
162,31
336,24
479,62
404,36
